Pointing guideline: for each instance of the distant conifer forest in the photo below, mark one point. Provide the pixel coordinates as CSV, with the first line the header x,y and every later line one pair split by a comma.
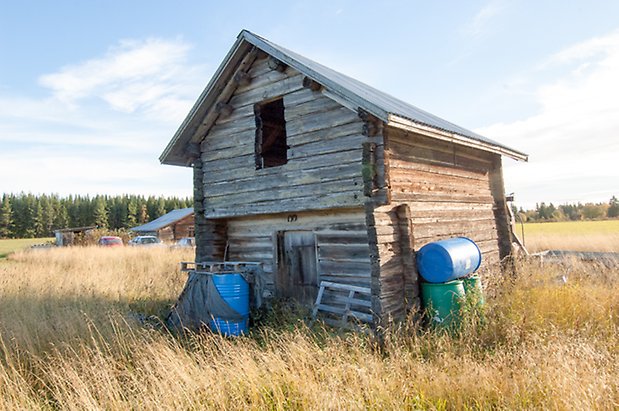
x,y
32,216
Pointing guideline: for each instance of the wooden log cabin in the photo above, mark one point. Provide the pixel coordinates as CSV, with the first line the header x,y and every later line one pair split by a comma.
x,y
170,227
321,177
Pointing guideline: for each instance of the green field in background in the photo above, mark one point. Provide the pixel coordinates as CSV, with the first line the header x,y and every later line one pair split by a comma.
x,y
7,246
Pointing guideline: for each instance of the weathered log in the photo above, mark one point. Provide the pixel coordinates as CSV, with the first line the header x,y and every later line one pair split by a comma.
x,y
311,84
277,65
242,79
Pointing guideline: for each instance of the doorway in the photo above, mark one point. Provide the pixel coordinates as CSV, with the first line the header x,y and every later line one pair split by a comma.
x,y
297,266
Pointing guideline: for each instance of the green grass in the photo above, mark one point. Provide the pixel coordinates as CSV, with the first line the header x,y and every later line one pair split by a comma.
x,y
8,246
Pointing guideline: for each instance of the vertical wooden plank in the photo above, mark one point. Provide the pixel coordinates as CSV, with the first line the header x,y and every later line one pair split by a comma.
x,y
407,249
210,234
374,264
501,213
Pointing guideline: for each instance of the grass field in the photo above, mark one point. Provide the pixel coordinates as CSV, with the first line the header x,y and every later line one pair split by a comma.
x,y
572,235
8,246
69,339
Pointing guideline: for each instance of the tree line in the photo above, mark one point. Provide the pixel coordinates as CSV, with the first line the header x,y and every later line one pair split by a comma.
x,y
570,212
34,216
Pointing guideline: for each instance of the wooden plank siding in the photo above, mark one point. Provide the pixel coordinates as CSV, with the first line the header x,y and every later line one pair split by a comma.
x,y
369,193
341,239
323,170
176,231
437,190
448,189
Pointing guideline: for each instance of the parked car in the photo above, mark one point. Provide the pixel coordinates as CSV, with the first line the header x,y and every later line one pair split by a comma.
x,y
110,241
145,240
185,242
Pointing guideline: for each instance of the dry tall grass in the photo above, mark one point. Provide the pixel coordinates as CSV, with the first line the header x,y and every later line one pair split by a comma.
x,y
572,235
68,342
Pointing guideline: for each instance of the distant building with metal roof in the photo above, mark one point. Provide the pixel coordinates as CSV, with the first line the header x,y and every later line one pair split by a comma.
x,y
171,226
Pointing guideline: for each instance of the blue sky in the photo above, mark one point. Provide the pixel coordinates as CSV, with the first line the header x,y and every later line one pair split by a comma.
x,y
91,92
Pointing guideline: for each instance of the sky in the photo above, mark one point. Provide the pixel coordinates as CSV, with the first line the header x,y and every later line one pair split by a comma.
x,y
92,92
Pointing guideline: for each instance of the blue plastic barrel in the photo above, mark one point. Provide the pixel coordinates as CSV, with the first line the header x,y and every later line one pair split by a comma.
x,y
235,291
448,260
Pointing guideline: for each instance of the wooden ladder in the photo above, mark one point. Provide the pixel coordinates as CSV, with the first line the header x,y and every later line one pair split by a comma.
x,y
343,303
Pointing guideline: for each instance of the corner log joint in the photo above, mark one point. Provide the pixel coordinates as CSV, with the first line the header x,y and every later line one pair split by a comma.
x,y
277,65
312,84
224,109
242,79
372,126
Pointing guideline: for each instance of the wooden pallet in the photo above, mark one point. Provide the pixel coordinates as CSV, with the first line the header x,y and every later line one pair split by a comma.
x,y
219,266
344,302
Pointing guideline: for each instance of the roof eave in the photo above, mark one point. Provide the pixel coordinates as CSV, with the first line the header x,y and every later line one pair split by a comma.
x,y
185,132
402,123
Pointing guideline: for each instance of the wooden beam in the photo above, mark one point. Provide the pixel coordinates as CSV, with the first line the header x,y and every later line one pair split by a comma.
x,y
242,79
224,96
192,151
278,65
311,84
224,109
408,125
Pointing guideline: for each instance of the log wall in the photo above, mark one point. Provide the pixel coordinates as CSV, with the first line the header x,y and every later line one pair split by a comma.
x,y
178,230
341,239
438,190
448,188
324,156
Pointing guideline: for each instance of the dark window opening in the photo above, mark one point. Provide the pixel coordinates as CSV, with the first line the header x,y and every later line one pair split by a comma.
x,y
271,147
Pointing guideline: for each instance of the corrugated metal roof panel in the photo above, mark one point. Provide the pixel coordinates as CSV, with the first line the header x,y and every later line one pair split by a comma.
x,y
377,98
359,95
165,220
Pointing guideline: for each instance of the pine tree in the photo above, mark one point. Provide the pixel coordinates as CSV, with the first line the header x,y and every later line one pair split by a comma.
x,y
143,215
613,208
161,209
100,213
132,212
6,218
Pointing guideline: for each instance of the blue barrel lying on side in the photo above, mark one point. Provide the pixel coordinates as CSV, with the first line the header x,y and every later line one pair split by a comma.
x,y
448,260
234,290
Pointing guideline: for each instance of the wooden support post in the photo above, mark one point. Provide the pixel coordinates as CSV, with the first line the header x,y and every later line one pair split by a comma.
x,y
501,214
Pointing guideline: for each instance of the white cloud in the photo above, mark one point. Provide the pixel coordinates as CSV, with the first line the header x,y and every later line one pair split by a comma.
x,y
574,138
104,124
479,23
133,75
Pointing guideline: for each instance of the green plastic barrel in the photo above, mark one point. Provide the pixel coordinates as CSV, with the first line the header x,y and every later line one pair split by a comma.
x,y
442,302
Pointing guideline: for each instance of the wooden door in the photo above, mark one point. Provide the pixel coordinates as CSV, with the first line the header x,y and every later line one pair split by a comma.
x,y
297,266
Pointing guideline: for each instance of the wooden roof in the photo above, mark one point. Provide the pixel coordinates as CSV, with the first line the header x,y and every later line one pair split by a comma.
x,y
345,90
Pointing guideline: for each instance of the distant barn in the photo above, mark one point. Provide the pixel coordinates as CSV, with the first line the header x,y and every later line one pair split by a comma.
x,y
66,236
321,177
169,227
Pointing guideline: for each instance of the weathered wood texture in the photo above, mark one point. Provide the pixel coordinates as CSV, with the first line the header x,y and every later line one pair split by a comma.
x,y
181,228
210,234
341,243
450,190
324,156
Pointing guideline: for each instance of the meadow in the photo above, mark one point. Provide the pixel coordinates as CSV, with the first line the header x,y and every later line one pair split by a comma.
x,y
571,235
8,246
80,328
